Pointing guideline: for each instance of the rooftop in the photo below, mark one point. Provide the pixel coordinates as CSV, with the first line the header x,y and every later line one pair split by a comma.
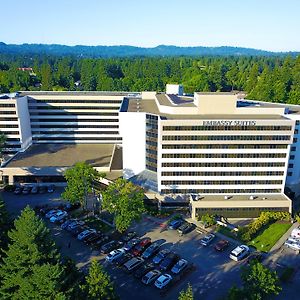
x,y
63,155
76,93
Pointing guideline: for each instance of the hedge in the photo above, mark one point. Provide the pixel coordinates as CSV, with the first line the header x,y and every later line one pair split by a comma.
x,y
247,233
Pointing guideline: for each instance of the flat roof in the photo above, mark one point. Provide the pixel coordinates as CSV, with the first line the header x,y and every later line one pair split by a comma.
x,y
176,101
262,197
76,93
63,155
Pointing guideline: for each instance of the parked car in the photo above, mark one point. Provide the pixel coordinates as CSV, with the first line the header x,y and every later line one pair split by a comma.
x,y
78,229
35,189
160,256
93,238
106,248
205,241
151,250
221,245
139,248
128,236
258,256
151,276
168,261
141,271
239,252
114,254
186,227
163,280
66,223
59,216
120,261
175,224
51,213
133,264
82,235
179,266
42,189
50,188
70,206
129,245
75,224
26,190
101,241
18,190
292,244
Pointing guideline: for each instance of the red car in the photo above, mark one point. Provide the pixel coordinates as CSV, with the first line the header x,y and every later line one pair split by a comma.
x,y
141,246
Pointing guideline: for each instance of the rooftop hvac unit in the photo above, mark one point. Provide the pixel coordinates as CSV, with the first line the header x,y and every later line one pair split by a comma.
x,y
252,197
227,197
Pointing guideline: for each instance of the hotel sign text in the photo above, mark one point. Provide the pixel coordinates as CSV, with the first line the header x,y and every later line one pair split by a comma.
x,y
229,123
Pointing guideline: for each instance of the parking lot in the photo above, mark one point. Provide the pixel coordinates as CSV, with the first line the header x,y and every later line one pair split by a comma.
x,y
214,271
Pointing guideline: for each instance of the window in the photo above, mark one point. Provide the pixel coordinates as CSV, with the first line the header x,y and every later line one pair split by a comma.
x,y
293,148
290,174
292,157
291,166
297,122
295,140
296,131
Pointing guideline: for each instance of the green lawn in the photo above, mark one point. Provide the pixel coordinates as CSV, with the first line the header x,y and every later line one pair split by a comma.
x,y
97,224
267,239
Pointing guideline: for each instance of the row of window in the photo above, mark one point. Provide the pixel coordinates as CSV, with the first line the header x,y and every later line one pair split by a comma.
x,y
220,128
224,146
9,125
72,120
75,132
219,191
226,138
7,105
6,112
8,119
223,173
73,126
224,155
75,101
218,182
223,165
73,138
10,132
80,113
74,107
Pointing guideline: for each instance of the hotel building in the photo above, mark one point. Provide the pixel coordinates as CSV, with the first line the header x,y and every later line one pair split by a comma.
x,y
228,156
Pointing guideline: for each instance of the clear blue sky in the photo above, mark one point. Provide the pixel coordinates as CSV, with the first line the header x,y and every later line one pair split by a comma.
x,y
262,24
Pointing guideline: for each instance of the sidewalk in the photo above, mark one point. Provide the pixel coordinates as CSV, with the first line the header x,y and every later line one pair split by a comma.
x,y
281,241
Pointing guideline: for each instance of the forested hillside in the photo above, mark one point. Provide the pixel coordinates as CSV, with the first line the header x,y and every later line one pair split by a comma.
x,y
263,78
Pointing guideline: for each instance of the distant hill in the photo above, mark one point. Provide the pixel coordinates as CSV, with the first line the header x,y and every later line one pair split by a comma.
x,y
130,51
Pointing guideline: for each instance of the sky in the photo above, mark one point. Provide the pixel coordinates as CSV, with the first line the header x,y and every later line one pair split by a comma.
x,y
262,24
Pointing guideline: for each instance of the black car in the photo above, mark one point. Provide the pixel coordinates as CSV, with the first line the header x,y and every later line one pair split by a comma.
x,y
101,241
128,236
160,256
121,260
186,227
129,245
152,250
69,206
42,189
175,224
144,269
78,229
168,261
112,245
92,239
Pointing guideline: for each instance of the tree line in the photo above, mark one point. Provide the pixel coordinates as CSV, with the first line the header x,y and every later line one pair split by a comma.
x,y
275,79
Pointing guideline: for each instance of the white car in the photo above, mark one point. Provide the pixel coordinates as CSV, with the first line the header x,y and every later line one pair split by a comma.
x,y
207,239
179,266
85,233
162,281
51,213
239,253
115,254
293,244
60,215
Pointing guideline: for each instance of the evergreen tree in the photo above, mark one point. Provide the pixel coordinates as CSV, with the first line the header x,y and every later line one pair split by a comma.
x,y
46,77
98,285
2,143
187,294
31,266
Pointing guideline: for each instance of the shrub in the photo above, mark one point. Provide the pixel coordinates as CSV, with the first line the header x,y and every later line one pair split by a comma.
x,y
207,220
265,218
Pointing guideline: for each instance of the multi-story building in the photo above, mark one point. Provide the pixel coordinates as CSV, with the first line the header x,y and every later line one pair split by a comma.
x,y
229,156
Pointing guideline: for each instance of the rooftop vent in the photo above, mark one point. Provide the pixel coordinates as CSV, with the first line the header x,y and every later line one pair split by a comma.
x,y
252,197
227,197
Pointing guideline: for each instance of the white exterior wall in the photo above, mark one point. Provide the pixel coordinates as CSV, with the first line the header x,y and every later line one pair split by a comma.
x,y
24,122
133,132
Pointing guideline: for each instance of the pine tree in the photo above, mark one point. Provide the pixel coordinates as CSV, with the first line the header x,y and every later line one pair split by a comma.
x,y
31,268
187,294
98,285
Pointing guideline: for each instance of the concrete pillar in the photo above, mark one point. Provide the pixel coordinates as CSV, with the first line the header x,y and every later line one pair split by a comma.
x,y
10,179
193,212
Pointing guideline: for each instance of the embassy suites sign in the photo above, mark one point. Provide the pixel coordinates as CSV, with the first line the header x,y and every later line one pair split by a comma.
x,y
229,123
